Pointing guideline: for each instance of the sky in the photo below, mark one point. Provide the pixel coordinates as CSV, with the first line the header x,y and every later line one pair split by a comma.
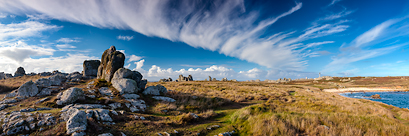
x,y
237,39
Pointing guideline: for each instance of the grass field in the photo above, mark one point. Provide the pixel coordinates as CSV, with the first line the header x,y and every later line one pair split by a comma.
x,y
253,108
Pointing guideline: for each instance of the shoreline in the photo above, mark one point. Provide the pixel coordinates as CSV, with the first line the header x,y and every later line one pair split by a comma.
x,y
363,89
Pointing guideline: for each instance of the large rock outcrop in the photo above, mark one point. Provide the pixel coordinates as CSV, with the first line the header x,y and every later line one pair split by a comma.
x,y
20,72
70,95
28,89
90,67
125,85
127,81
111,61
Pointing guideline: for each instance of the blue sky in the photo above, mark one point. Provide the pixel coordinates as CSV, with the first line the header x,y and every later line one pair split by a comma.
x,y
234,39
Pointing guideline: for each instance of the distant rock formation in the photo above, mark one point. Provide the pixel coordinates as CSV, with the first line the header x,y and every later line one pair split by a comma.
x,y
166,80
225,79
182,78
20,72
284,80
90,67
111,61
210,78
324,78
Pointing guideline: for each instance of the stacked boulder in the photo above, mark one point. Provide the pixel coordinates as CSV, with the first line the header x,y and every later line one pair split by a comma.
x,y
111,61
91,68
129,83
182,78
20,72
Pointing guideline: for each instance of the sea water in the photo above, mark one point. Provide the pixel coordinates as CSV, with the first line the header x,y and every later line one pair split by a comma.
x,y
398,99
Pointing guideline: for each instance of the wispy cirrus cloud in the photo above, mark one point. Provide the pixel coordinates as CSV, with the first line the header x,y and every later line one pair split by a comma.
x,y
126,38
24,29
223,26
68,40
372,43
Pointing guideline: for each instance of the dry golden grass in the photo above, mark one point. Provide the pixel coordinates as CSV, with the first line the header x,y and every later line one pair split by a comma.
x,y
256,108
7,85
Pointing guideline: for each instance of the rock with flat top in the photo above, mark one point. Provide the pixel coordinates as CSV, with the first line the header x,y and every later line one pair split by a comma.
x,y
90,67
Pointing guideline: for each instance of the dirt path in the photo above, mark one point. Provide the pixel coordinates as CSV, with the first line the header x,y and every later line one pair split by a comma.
x,y
363,89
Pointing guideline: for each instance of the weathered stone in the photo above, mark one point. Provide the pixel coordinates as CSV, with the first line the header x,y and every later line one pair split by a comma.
x,y
20,72
134,75
105,91
103,115
71,95
163,98
77,122
90,113
155,90
8,101
28,89
182,78
106,134
3,106
124,85
78,134
142,84
55,80
115,105
224,79
111,61
11,94
74,77
130,96
90,67
45,92
136,105
124,73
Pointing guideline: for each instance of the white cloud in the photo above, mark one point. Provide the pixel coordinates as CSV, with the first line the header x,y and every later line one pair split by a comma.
x,y
62,46
24,29
15,52
134,58
2,15
333,2
139,65
20,51
154,73
68,40
126,38
67,63
226,26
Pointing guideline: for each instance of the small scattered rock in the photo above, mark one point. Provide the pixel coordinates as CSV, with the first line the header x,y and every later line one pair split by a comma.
x,y
155,90
106,134
163,98
71,95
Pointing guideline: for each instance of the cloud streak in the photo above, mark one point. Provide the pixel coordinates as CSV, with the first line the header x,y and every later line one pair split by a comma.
x,y
223,26
379,40
126,38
